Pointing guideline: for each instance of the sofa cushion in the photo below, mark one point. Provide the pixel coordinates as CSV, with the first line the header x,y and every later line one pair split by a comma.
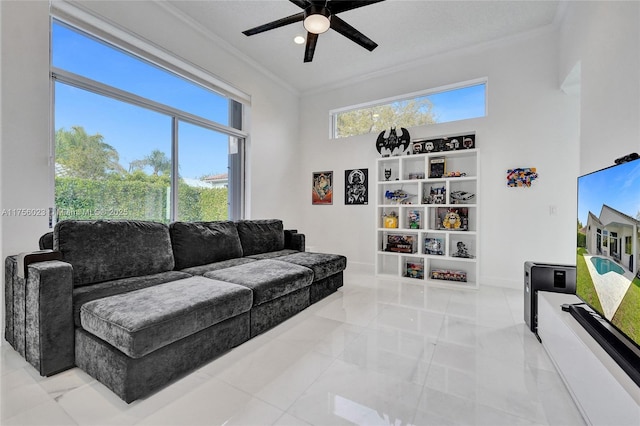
x,y
323,264
272,254
269,279
203,269
200,243
103,250
87,293
260,236
142,321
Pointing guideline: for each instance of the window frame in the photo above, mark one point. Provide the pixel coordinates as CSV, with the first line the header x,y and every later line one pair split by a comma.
x,y
143,50
333,114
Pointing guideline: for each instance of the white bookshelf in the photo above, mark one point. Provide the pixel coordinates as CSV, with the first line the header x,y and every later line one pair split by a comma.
x,y
411,174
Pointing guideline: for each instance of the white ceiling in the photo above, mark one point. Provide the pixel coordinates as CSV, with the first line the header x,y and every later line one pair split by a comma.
x,y
405,30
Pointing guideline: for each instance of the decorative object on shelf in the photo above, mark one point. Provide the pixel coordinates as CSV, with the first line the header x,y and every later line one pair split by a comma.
x,y
400,243
414,219
452,143
387,174
398,196
469,141
433,246
462,251
322,188
453,219
455,174
436,195
448,275
390,220
416,175
436,167
393,144
415,269
421,147
521,177
461,197
356,187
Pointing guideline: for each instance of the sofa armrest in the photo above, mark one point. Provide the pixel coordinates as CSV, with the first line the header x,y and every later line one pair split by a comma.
x,y
41,305
293,240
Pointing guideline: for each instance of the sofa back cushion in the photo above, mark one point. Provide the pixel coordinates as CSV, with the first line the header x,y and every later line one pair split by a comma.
x,y
260,236
200,243
103,250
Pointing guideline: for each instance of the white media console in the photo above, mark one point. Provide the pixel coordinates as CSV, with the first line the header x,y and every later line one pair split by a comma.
x,y
603,392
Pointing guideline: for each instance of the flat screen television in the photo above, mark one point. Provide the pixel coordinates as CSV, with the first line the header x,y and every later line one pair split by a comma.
x,y
608,253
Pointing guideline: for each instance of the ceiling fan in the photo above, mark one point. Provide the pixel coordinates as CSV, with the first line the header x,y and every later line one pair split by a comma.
x,y
318,16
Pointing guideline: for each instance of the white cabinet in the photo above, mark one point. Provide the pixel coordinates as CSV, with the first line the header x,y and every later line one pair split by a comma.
x,y
434,237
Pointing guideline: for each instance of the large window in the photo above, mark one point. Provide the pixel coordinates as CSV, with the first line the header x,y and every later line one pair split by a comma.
x,y
135,141
461,102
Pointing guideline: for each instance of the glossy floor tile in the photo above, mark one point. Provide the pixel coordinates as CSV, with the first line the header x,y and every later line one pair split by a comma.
x,y
378,352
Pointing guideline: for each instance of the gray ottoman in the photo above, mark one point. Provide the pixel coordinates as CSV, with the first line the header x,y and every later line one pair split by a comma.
x,y
280,289
138,341
327,271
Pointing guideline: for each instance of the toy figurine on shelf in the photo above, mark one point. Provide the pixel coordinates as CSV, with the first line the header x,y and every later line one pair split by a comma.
x,y
433,246
387,174
398,196
461,197
390,220
455,174
414,219
436,196
452,220
462,251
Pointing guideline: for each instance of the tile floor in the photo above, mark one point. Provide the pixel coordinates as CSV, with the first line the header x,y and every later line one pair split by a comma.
x,y
378,352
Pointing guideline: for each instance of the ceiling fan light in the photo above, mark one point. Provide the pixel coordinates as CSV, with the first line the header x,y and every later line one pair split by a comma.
x,y
316,20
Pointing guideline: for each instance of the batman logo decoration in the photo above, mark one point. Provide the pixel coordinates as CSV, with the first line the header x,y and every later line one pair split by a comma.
x,y
393,144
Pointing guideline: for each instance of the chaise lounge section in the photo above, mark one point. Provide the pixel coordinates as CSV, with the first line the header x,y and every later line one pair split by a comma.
x,y
138,304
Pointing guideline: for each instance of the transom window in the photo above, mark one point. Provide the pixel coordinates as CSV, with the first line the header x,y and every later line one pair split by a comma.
x,y
460,102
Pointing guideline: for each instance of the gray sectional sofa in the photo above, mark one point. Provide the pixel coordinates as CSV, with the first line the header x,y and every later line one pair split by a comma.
x,y
137,304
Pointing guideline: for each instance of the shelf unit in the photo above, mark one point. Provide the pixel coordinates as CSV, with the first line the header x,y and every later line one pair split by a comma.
x,y
439,246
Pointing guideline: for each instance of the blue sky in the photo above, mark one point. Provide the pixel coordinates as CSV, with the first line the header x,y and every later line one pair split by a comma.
x,y
132,130
459,104
618,187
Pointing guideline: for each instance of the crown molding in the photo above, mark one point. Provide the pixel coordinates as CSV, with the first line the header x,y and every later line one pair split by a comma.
x,y
434,58
223,44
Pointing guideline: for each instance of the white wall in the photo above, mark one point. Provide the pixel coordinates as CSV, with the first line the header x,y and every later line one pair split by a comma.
x,y
604,37
530,123
24,123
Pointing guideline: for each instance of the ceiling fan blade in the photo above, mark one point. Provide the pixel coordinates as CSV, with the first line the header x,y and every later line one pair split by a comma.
x,y
303,4
312,40
342,6
352,34
298,17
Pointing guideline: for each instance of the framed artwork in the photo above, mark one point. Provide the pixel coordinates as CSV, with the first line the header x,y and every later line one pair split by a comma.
x,y
322,188
356,187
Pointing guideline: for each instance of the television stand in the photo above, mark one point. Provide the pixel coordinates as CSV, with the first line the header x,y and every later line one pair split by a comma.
x,y
605,335
602,391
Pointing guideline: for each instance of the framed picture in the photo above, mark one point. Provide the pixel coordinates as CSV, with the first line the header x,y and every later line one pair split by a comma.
x,y
356,187
322,188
